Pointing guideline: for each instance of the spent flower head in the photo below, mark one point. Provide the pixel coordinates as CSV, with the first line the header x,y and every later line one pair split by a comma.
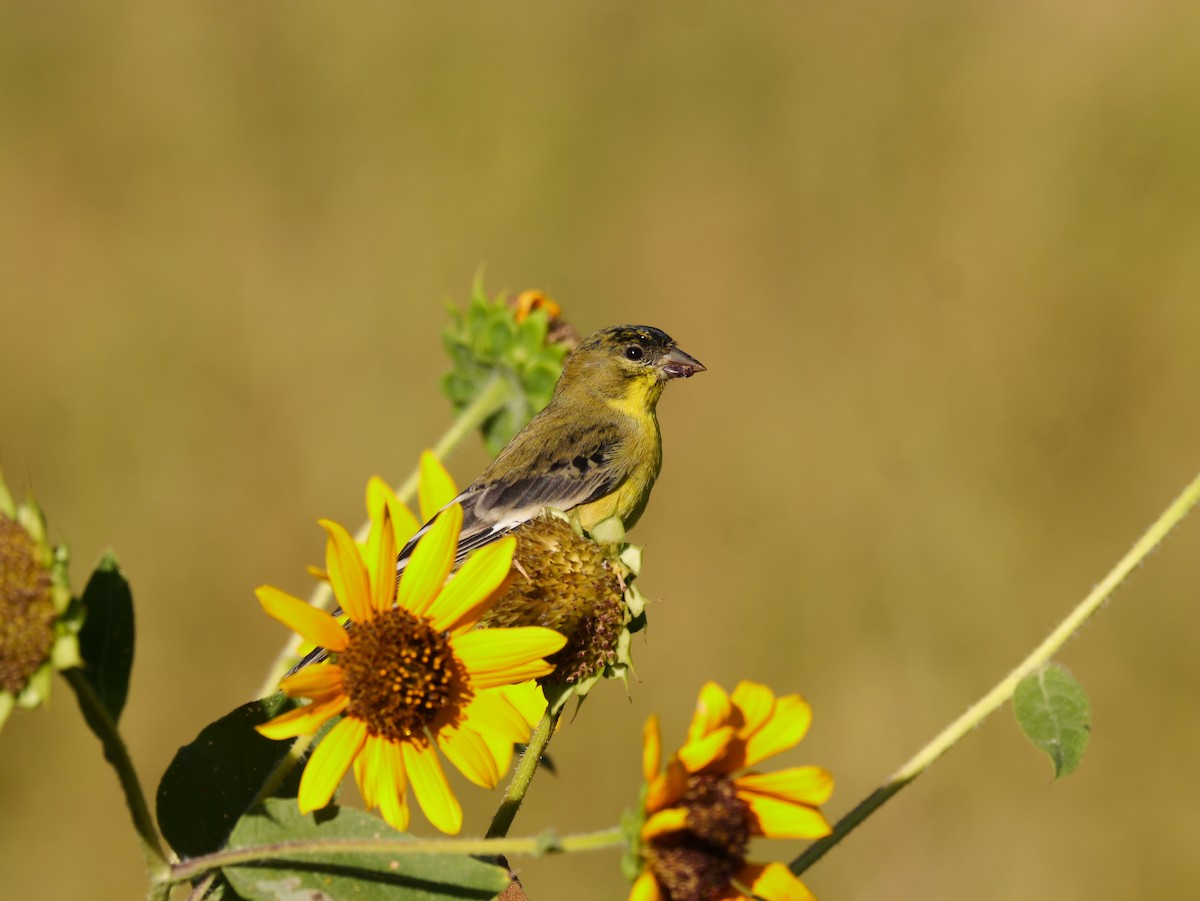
x,y
38,624
581,585
700,811
412,676
521,340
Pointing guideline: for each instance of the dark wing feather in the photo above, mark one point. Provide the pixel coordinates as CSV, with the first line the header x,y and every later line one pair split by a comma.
x,y
504,497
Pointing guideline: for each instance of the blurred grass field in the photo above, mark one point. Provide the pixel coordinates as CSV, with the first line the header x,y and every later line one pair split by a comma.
x,y
942,261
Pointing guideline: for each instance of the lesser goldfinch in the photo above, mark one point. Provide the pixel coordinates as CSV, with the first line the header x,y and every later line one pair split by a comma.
x,y
595,448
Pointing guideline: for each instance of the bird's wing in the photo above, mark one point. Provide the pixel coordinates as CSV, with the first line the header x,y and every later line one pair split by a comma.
x,y
583,469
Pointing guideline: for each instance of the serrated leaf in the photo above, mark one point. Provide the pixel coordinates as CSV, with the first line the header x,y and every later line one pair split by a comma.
x,y
212,781
1052,710
339,875
106,638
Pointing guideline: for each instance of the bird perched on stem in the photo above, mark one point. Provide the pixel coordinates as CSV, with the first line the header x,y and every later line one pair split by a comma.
x,y
595,449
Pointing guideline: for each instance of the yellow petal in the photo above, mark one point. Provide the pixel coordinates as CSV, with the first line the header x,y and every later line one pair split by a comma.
x,y
470,592
645,889
696,755
429,785
315,679
367,769
380,497
535,669
782,819
667,788
786,727
712,711
435,489
315,625
381,563
651,748
502,752
303,720
391,787
346,572
430,563
492,715
495,653
527,697
329,763
673,819
756,703
470,754
810,785
773,882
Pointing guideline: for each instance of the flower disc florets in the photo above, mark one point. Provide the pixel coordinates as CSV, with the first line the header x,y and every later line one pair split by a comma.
x,y
26,607
39,625
401,676
689,869
571,584
698,863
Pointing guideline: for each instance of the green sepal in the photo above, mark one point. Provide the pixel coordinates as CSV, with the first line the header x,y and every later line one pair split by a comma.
x,y
631,827
363,876
485,342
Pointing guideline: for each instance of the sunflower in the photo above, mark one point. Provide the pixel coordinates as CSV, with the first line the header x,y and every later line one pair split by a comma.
x,y
700,814
411,678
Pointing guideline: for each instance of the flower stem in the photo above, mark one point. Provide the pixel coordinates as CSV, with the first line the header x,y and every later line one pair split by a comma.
x,y
530,760
493,397
985,706
327,848
118,756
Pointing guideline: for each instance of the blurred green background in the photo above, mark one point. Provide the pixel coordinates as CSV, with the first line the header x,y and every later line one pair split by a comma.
x,y
941,259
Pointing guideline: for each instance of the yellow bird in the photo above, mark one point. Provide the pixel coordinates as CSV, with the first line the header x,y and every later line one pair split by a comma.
x,y
595,449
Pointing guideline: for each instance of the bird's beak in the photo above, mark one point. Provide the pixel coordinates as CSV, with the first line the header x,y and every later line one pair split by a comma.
x,y
678,365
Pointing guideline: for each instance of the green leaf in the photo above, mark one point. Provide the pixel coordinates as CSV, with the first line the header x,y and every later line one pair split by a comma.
x,y
1053,711
340,875
212,781
106,639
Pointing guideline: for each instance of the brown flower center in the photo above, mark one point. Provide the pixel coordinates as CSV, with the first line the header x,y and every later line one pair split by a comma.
x,y
402,677
699,863
26,607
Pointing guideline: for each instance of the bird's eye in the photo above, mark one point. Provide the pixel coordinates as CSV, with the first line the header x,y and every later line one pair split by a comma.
x,y
633,352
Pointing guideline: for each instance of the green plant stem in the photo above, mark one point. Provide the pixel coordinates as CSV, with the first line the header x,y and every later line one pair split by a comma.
x,y
495,395
118,756
286,764
201,888
306,849
528,765
990,702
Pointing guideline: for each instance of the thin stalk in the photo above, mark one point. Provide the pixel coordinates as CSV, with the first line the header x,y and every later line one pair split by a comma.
x,y
528,765
201,888
306,849
990,702
117,755
498,392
